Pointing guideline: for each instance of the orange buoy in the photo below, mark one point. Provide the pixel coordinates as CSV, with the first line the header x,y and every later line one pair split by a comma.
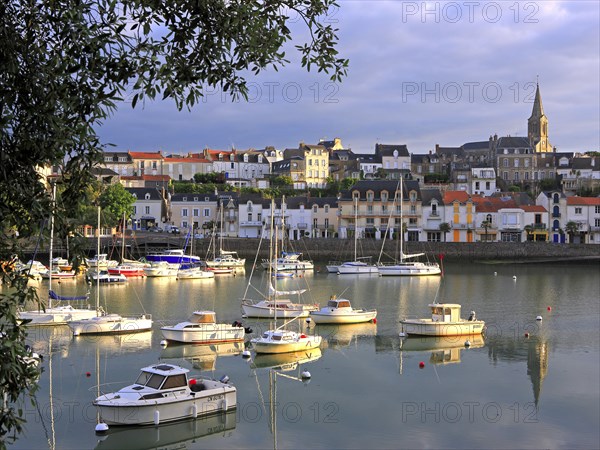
x,y
421,364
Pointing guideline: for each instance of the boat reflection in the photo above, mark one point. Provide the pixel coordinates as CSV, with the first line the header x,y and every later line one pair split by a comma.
x,y
335,336
175,435
116,343
203,357
444,349
284,361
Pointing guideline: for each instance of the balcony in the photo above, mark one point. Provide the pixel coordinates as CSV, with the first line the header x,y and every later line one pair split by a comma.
x,y
251,223
555,214
460,226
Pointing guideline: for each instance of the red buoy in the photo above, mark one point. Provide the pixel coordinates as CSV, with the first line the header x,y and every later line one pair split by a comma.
x,y
549,308
192,382
87,374
421,364
374,320
526,335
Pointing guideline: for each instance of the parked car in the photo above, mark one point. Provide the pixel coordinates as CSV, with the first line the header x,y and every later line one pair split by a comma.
x,y
174,230
156,229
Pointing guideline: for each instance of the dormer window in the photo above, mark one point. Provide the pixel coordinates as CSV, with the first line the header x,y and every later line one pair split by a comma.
x,y
231,157
185,199
246,158
413,196
147,196
220,156
260,159
370,196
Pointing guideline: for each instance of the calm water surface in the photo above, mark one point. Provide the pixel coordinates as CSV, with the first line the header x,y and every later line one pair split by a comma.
x,y
367,389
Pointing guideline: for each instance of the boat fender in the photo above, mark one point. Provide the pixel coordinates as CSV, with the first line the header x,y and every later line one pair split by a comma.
x,y
156,417
224,379
195,410
302,336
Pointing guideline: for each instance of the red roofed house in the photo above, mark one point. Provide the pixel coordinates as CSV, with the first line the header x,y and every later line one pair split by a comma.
x,y
585,212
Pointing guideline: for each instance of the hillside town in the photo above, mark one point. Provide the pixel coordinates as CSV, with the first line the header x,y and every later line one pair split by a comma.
x,y
503,189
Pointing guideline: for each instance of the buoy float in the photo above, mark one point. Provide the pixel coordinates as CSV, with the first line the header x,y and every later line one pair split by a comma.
x,y
101,428
467,343
87,374
305,374
156,417
374,320
421,364
402,334
163,343
549,308
526,335
308,320
246,354
514,277
495,273
538,318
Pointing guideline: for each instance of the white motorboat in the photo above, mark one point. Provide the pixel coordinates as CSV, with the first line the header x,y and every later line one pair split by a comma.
x,y
163,393
280,340
202,328
226,259
100,260
161,269
58,274
339,310
445,321
289,261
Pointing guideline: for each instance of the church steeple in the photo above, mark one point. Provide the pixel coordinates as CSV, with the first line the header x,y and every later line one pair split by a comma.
x,y
537,125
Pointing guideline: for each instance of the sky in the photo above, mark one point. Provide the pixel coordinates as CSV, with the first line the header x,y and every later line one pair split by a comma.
x,y
420,74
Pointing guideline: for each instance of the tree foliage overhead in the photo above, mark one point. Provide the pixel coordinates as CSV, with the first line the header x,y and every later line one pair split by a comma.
x,y
65,67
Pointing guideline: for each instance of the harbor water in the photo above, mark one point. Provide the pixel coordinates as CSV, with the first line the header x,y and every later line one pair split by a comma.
x,y
527,383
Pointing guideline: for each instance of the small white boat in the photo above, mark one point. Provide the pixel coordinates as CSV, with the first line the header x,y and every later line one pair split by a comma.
x,y
58,315
111,324
202,328
101,261
280,340
357,267
289,261
161,269
339,310
162,393
58,274
104,277
195,273
276,308
226,259
445,321
407,268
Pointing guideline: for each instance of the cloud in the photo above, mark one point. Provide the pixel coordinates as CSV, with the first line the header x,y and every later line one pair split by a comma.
x,y
420,73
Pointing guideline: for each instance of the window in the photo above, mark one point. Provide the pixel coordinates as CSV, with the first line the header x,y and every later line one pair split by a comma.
x,y
384,196
370,196
505,162
315,208
526,162
147,209
434,237
369,209
249,217
516,162
578,210
597,209
413,209
505,176
327,208
477,185
196,212
184,212
206,212
134,210
516,176
412,221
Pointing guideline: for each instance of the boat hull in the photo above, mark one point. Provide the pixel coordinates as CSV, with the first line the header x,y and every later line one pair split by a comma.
x,y
287,347
341,318
59,315
111,325
157,411
210,334
399,270
427,327
352,269
279,313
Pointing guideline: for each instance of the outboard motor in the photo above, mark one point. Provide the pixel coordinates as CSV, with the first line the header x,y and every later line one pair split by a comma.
x,y
472,316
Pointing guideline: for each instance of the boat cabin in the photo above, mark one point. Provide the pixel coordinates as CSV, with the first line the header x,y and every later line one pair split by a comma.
x,y
161,377
338,303
445,312
203,317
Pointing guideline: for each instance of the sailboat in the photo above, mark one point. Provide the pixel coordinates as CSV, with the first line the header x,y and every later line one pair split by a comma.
x,y
288,261
273,306
225,259
358,266
56,315
109,323
280,339
405,266
193,271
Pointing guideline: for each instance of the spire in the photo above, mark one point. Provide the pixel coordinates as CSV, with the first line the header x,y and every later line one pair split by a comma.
x,y
538,109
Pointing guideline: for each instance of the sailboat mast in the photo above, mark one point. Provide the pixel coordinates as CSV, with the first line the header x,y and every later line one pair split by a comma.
x,y
401,218
355,227
50,268
98,266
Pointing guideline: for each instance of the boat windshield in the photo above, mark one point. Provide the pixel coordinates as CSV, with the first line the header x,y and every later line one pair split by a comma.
x,y
152,380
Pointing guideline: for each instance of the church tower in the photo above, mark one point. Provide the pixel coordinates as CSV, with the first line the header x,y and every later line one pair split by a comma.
x,y
537,126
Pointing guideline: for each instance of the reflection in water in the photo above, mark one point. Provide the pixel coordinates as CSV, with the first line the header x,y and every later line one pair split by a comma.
x,y
537,364
285,361
174,435
444,349
344,335
202,357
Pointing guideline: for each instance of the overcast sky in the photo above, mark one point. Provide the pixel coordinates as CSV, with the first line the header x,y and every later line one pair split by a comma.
x,y
421,74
